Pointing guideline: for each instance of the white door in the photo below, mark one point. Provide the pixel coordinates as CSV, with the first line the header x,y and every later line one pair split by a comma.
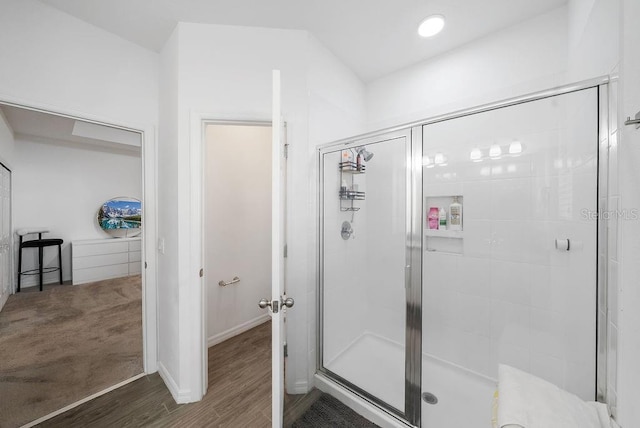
x,y
278,303
5,235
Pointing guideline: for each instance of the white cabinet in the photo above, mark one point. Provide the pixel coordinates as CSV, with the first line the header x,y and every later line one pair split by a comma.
x,y
98,259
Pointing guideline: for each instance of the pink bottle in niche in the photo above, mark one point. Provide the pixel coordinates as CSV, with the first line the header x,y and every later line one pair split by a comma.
x,y
433,217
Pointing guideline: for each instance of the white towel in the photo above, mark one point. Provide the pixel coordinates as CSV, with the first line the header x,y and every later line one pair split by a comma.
x,y
527,401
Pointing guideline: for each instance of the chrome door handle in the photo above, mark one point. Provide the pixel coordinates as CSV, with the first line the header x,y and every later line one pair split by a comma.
x,y
233,281
288,302
274,305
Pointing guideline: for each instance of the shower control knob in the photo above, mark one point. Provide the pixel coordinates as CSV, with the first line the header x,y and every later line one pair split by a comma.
x,y
288,302
263,303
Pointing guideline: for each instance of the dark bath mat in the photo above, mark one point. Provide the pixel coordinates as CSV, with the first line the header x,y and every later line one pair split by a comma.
x,y
329,412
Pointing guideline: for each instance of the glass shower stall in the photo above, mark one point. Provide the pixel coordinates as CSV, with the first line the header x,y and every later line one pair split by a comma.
x,y
454,245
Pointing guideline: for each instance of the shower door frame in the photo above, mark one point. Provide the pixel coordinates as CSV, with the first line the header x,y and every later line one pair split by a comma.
x,y
413,272
606,113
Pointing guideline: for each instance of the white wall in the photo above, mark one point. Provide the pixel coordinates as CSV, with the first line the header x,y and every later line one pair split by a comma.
x,y
520,59
50,58
223,72
7,142
237,227
6,158
168,321
54,61
61,186
336,110
628,370
594,38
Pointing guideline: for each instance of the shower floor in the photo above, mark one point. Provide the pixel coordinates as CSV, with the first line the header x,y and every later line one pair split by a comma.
x,y
372,354
464,398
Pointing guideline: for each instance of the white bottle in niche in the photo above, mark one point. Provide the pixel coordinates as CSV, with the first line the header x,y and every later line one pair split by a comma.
x,y
455,215
443,219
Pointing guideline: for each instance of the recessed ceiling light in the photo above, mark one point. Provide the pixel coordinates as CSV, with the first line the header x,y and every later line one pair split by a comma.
x,y
431,26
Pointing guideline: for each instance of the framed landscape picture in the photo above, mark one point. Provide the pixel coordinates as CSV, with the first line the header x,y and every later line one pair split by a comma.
x,y
121,217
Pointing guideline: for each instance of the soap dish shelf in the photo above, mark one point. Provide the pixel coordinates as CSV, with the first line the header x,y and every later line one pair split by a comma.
x,y
437,233
351,168
351,195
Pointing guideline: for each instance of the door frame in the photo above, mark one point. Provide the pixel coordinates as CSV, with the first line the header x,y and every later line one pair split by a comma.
x,y
3,164
148,165
199,123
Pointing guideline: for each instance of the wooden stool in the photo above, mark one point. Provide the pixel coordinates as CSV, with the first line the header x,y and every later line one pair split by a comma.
x,y
39,244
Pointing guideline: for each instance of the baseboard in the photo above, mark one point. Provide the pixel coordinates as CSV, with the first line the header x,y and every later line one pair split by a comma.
x,y
299,387
33,281
84,400
180,396
241,328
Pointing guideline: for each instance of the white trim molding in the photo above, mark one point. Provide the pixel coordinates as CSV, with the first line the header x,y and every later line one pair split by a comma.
x,y
234,331
180,396
84,400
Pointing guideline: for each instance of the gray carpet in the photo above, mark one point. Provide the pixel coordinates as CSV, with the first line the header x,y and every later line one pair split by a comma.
x,y
66,343
329,412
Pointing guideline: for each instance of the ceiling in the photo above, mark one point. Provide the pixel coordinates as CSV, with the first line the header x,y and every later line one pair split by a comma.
x,y
372,37
54,129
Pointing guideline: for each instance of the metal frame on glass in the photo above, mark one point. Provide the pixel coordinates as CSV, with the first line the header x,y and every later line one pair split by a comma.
x,y
413,277
602,256
413,272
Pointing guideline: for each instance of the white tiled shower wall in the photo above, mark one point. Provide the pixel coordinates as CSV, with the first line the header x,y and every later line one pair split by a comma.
x,y
510,297
364,276
344,268
386,246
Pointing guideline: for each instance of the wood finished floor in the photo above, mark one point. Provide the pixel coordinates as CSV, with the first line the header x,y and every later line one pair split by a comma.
x,y
239,393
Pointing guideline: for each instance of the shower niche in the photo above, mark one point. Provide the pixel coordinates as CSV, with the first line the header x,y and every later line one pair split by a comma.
x,y
443,225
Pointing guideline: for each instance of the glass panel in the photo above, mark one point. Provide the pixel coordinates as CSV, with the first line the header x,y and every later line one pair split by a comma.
x,y
364,254
496,289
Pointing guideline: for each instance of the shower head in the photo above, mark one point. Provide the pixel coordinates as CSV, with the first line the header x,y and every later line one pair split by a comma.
x,y
366,155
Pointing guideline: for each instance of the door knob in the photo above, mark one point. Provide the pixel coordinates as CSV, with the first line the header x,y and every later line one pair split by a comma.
x,y
288,302
274,305
263,303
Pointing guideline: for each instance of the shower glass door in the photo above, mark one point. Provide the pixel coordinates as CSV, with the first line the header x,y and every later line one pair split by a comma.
x,y
366,232
514,282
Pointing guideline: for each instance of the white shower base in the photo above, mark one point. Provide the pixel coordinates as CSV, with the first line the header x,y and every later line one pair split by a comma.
x,y
372,354
464,398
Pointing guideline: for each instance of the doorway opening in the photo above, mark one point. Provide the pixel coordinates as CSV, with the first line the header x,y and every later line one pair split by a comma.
x,y
92,327
237,254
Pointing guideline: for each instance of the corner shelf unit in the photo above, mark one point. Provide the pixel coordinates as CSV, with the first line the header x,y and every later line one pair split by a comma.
x,y
347,196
